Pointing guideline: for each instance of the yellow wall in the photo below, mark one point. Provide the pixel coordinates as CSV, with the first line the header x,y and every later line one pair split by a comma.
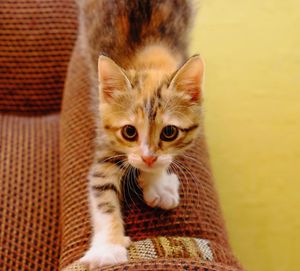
x,y
252,51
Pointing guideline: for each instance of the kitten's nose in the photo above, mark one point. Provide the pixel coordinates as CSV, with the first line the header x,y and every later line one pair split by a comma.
x,y
149,160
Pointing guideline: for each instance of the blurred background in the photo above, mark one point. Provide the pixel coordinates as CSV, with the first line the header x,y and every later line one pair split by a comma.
x,y
252,104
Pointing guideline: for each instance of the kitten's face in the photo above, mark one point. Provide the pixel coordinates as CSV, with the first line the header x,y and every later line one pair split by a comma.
x,y
148,115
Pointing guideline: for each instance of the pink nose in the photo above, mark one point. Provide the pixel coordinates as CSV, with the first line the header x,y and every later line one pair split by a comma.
x,y
149,160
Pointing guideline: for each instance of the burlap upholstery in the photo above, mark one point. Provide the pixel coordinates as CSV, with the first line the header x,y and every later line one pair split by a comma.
x,y
43,165
36,39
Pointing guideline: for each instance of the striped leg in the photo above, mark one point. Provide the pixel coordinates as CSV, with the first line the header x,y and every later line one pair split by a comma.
x,y
108,245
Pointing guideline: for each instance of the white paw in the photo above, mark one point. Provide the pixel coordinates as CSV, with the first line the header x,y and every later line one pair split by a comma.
x,y
106,254
163,193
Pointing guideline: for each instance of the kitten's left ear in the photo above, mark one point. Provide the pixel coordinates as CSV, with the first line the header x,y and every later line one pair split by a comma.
x,y
189,79
112,79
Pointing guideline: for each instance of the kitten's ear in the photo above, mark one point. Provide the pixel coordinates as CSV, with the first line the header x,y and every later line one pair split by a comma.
x,y
189,79
112,79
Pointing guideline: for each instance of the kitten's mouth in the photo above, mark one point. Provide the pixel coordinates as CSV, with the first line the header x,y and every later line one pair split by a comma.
x,y
149,163
148,168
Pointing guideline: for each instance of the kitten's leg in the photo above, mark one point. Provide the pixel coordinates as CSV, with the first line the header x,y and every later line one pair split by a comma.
x,y
108,244
160,189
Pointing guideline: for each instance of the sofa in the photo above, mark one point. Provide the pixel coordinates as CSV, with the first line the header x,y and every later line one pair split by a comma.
x,y
46,147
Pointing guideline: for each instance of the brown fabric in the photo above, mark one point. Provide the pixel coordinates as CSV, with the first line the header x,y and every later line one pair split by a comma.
x,y
36,39
171,247
29,195
161,264
197,216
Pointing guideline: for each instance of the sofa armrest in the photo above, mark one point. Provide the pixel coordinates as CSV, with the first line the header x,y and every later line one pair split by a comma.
x,y
198,214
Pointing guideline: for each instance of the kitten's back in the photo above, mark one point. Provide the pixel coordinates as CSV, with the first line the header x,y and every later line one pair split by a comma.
x,y
119,28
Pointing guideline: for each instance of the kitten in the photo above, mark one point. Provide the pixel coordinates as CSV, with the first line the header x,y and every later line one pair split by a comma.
x,y
148,108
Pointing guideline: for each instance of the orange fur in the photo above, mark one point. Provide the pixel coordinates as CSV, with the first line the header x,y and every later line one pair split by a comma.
x,y
147,86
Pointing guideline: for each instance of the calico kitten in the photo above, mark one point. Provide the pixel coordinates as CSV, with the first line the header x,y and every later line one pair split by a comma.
x,y
148,107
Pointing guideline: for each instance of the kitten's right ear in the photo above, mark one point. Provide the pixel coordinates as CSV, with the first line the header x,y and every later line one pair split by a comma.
x,y
113,82
189,79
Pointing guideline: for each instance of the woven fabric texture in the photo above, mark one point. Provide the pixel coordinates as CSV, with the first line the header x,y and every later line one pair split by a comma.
x,y
161,264
197,216
36,39
163,247
29,195
170,247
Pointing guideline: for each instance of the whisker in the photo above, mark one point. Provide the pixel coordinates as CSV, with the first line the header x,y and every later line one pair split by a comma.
x,y
197,161
134,185
195,180
184,187
124,184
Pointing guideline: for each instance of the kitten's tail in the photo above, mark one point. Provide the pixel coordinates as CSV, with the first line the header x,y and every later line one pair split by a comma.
x,y
119,28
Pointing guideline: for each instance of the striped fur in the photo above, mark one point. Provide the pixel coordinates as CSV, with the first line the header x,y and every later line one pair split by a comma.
x,y
118,28
148,85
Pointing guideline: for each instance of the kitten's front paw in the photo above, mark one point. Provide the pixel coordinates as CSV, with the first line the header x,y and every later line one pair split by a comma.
x,y
106,254
163,193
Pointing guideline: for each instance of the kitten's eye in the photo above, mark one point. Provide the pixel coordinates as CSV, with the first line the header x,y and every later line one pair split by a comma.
x,y
129,133
169,133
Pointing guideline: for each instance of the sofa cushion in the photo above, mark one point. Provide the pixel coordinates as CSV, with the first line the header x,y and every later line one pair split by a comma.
x,y
29,193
